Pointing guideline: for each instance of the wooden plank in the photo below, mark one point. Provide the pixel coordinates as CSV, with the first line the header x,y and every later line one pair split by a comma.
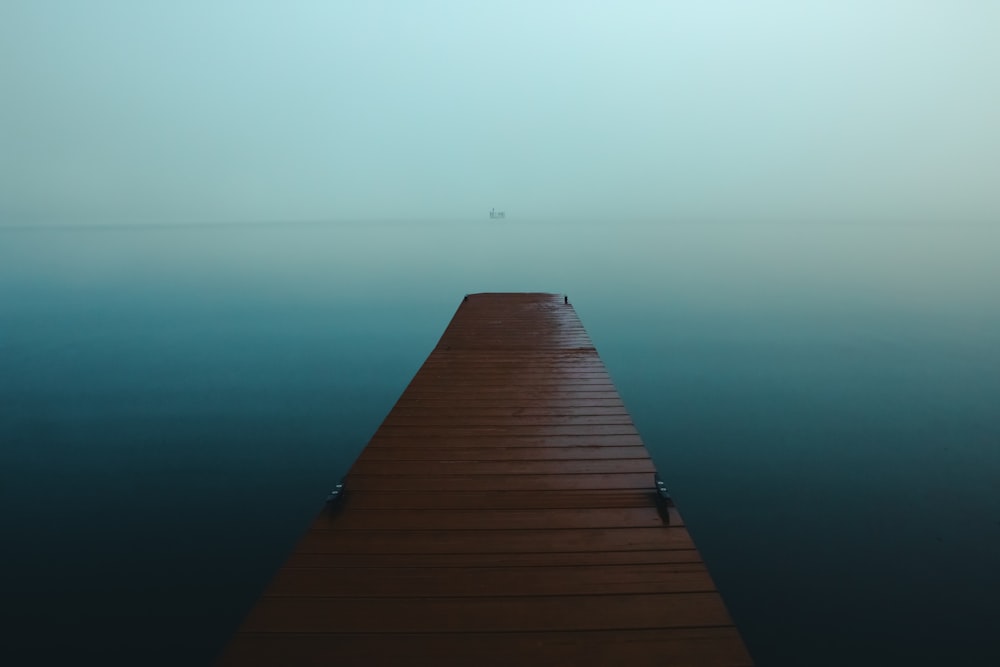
x,y
425,582
518,384
506,366
496,519
504,513
507,560
492,541
466,402
470,468
474,500
483,453
474,420
533,395
486,614
489,483
446,413
482,378
587,430
636,648
395,440
525,373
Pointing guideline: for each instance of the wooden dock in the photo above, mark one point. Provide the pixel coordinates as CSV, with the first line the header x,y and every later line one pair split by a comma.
x,y
503,514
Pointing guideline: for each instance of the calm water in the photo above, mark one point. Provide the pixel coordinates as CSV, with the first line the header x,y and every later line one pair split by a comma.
x,y
822,399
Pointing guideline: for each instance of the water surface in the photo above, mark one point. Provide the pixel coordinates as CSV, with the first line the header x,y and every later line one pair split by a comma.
x,y
176,401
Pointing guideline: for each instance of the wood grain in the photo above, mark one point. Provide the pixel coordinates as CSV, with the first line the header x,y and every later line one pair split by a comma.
x,y
503,514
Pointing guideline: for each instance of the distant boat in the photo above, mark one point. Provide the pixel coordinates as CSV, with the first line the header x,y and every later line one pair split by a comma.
x,y
497,215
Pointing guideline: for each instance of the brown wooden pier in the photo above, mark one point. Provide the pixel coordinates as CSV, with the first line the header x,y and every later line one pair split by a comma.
x,y
503,514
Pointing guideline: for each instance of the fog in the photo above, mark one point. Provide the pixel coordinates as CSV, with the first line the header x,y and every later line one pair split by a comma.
x,y
170,111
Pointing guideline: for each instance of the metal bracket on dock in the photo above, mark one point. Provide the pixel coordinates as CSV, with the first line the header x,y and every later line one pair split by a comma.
x,y
663,500
336,497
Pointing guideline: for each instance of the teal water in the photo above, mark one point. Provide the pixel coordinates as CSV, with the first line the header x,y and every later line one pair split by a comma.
x,y
175,403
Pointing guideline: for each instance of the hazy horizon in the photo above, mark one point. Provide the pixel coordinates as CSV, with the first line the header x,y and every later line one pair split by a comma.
x,y
202,112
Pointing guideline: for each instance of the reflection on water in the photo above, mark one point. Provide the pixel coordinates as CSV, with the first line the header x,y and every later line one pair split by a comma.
x,y
175,403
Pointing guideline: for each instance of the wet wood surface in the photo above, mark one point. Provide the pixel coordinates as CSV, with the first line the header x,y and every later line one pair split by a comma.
x,y
504,513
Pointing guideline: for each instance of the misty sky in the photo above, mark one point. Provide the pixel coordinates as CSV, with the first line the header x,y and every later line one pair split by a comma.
x,y
176,110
